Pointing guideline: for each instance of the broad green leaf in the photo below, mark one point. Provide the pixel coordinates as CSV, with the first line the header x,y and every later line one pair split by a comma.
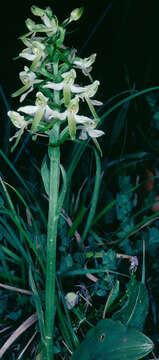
x,y
135,310
111,340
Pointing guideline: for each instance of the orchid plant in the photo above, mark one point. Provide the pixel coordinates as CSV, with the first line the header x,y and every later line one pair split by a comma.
x,y
54,111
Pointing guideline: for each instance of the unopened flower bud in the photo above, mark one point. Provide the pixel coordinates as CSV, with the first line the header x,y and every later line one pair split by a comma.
x,y
37,11
48,12
76,14
30,24
71,300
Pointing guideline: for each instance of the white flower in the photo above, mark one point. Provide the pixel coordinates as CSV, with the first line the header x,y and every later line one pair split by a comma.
x,y
17,119
28,41
65,85
41,102
69,76
35,52
68,86
41,106
72,110
71,300
28,78
19,122
89,90
50,23
80,119
71,115
85,64
89,129
133,264
40,110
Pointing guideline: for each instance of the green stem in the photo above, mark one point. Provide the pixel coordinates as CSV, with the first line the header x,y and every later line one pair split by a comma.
x,y
54,154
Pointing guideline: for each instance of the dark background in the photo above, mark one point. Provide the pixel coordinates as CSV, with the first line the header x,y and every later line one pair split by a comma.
x,y
123,33
126,40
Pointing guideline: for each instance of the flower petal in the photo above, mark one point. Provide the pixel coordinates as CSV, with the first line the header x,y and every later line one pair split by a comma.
x,y
54,86
83,135
69,76
85,63
96,102
27,76
25,94
29,109
56,114
37,118
41,100
94,133
78,89
27,55
83,119
91,90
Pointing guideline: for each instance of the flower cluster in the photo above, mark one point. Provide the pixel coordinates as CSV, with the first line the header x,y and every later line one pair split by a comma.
x,y
52,76
133,264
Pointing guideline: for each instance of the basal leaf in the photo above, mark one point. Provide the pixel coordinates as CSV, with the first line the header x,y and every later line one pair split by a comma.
x,y
111,340
135,310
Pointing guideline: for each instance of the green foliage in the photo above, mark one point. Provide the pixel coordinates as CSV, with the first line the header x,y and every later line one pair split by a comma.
x,y
112,340
134,312
124,203
104,218
109,260
119,123
153,239
113,294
